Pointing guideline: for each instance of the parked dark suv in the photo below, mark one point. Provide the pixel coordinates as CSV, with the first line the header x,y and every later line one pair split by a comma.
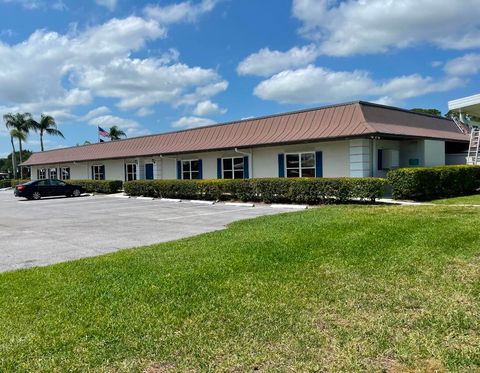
x,y
46,188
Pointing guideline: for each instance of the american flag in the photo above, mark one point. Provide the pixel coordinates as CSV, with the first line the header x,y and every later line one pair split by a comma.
x,y
102,132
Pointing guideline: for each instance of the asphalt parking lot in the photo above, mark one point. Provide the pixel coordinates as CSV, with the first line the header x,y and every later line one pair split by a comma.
x,y
37,233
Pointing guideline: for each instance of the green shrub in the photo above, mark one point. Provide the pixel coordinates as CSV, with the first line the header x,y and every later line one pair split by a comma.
x,y
425,184
5,184
15,182
309,191
99,186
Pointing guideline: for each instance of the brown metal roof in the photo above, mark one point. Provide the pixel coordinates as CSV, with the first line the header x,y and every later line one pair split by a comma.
x,y
354,119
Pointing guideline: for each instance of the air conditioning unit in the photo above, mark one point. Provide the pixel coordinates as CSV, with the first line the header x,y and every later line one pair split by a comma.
x,y
390,158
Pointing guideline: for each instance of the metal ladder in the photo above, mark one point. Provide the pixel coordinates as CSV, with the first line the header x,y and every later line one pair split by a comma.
x,y
473,149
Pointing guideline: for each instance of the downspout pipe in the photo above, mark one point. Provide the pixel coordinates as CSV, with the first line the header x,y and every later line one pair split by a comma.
x,y
250,158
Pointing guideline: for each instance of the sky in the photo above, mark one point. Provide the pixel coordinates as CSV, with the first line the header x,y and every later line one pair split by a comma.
x,y
158,66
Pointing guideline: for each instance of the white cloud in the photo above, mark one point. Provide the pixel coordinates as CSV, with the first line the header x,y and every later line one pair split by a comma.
x,y
266,62
27,4
312,85
208,108
57,72
101,110
109,4
203,93
409,86
359,27
131,127
192,122
141,83
37,66
180,12
38,4
465,65
144,111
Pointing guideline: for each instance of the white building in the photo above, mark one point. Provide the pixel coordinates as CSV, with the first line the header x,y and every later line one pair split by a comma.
x,y
468,108
357,139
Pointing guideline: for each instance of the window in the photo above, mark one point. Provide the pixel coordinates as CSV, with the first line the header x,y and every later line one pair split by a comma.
x,y
98,172
41,173
65,173
233,168
57,183
191,169
44,183
52,173
131,171
300,165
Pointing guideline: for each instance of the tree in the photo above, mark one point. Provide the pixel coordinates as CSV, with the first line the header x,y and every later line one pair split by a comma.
x,y
435,112
456,115
116,133
14,165
47,126
22,123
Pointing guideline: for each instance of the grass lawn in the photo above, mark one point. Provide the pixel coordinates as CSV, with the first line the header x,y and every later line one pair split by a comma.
x,y
334,289
466,200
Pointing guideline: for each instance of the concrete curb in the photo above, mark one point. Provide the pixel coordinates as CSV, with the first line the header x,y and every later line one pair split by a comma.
x,y
170,200
202,202
117,195
240,204
294,207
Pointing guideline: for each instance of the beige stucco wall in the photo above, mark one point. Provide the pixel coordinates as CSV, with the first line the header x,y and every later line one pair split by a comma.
x,y
263,162
434,153
356,157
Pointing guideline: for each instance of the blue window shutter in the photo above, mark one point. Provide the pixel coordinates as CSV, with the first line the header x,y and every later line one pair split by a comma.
x,y
93,175
219,168
318,164
281,165
179,170
200,169
246,173
380,159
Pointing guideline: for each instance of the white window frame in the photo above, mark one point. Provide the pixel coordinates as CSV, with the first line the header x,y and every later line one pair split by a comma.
x,y
96,171
233,167
42,173
62,170
133,173
50,172
300,168
190,172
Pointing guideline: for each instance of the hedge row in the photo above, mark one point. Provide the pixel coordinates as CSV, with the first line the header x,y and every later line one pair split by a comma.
x,y
425,184
12,183
99,186
311,191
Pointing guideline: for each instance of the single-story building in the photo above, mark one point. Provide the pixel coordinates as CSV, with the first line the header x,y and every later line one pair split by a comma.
x,y
357,139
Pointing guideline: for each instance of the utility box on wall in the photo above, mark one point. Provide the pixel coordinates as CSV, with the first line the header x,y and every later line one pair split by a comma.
x,y
390,158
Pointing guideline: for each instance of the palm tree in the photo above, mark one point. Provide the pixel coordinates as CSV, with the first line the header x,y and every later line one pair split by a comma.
x,y
13,134
20,136
47,126
22,123
115,133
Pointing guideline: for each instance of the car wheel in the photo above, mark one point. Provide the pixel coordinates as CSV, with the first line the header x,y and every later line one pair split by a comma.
x,y
76,193
36,196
